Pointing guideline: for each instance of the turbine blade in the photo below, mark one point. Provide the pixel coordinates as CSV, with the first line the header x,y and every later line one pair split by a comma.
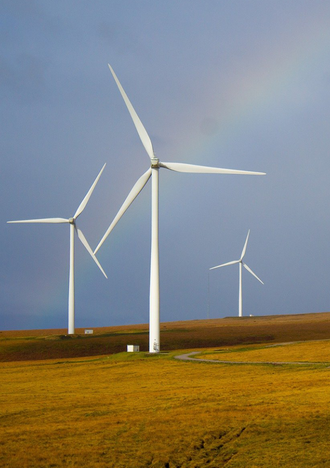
x,y
89,249
83,204
249,269
225,264
130,198
137,122
245,245
43,220
182,167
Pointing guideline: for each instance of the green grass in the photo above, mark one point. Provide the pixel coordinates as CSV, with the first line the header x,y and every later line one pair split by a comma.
x,y
15,346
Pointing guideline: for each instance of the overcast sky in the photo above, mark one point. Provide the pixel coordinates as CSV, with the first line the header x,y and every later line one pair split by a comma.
x,y
241,84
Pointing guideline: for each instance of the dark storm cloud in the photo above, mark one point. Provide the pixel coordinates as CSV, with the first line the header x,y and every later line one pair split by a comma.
x,y
23,78
231,84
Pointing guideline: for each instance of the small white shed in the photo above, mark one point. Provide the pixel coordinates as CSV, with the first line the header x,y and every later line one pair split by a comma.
x,y
132,348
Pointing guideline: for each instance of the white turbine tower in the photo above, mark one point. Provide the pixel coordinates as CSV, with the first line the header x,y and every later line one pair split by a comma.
x,y
241,263
154,330
73,228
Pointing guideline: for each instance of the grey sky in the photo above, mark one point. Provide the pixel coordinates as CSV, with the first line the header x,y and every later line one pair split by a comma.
x,y
239,84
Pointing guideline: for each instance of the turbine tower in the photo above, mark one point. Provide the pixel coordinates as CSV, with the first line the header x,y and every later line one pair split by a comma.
x,y
153,172
241,264
73,229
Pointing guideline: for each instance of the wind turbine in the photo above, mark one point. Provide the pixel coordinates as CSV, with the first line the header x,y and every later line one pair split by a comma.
x,y
73,228
153,172
241,263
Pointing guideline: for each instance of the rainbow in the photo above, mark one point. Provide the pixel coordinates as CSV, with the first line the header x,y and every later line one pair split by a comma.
x,y
268,84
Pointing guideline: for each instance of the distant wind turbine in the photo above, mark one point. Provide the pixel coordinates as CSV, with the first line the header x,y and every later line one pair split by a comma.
x,y
154,329
241,263
73,228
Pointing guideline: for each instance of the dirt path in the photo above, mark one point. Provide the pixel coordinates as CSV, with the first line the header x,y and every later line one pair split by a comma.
x,y
188,357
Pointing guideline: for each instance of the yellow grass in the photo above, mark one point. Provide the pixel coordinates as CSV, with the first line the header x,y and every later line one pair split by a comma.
x,y
138,411
314,352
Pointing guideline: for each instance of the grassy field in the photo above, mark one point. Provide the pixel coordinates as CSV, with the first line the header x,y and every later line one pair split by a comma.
x,y
111,409
316,352
53,344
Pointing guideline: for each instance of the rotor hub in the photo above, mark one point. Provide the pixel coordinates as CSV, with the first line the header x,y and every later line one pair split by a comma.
x,y
154,162
71,221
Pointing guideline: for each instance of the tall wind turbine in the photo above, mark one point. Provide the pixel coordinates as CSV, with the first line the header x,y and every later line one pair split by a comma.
x,y
73,228
153,172
241,263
